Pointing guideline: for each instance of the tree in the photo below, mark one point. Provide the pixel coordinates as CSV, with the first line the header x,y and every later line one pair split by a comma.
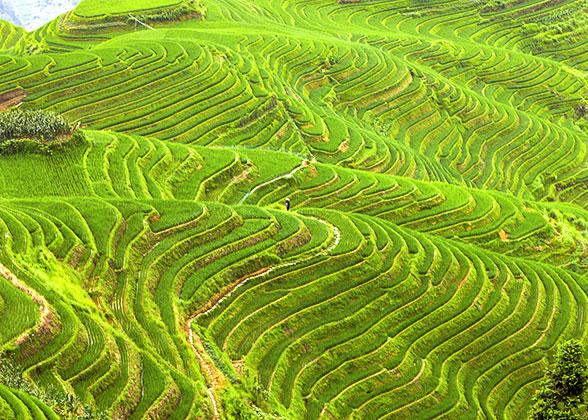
x,y
561,390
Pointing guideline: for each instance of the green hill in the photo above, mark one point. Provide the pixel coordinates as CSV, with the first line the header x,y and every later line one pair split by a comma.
x,y
90,8
435,253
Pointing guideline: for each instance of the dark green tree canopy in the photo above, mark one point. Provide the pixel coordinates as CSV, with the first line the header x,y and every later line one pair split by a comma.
x,y
561,391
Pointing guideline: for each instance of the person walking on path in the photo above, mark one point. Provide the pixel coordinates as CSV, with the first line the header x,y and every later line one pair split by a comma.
x,y
287,204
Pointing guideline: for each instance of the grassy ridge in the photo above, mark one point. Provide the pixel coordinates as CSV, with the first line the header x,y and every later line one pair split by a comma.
x,y
89,8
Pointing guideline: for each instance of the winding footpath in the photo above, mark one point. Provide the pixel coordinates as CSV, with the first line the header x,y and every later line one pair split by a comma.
x,y
206,366
263,184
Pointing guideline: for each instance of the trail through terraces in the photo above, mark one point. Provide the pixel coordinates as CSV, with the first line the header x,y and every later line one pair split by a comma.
x,y
207,368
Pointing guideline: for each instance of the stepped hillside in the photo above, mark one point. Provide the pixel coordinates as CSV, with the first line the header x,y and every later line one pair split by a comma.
x,y
434,255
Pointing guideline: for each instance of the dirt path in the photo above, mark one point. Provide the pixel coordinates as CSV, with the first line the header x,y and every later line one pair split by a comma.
x,y
205,366
263,184
12,98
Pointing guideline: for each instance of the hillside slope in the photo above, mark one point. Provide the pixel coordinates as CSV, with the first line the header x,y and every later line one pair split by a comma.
x,y
434,155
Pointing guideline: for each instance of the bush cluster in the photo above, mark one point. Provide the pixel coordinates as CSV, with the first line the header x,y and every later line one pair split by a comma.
x,y
36,132
13,146
560,393
219,363
38,125
172,14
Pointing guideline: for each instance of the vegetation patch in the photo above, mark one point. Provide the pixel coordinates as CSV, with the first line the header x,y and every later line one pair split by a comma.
x,y
64,404
561,391
35,131
434,247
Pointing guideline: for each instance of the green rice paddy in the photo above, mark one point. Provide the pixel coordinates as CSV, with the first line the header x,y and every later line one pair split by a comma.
x,y
91,8
435,251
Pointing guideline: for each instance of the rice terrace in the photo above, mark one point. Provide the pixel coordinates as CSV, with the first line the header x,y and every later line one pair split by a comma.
x,y
295,210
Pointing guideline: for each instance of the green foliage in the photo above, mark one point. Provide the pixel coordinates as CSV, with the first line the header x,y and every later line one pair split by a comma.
x,y
236,408
40,125
494,5
6,412
36,132
562,389
219,363
186,9
26,145
68,406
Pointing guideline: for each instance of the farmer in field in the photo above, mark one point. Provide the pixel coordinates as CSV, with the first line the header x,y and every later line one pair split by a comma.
x,y
287,204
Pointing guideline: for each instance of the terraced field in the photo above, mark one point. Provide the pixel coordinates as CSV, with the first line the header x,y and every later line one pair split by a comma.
x,y
436,248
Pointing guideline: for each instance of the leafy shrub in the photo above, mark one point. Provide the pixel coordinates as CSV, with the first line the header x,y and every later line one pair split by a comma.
x,y
39,125
180,12
12,146
562,389
236,408
36,131
493,6
219,363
